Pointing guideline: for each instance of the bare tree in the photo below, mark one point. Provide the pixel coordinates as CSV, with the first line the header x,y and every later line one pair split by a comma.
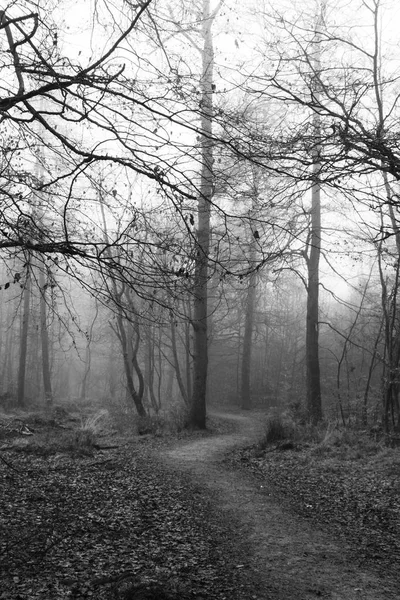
x,y
44,336
23,345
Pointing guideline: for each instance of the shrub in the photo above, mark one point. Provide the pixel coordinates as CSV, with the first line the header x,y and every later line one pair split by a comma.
x,y
122,418
77,442
278,429
150,424
173,421
81,442
178,418
95,423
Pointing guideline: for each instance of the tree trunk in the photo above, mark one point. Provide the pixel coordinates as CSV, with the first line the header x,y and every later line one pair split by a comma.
x,y
7,365
178,373
48,394
24,340
200,309
314,402
127,360
128,353
247,343
170,383
112,380
188,361
150,367
391,416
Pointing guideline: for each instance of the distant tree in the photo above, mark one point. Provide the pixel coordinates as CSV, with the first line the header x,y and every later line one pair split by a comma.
x,y
23,344
247,342
89,334
250,302
44,336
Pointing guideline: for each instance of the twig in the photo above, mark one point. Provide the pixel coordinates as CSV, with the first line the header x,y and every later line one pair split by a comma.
x,y
10,465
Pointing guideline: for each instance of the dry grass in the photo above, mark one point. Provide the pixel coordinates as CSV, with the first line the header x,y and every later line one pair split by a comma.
x,y
96,423
325,439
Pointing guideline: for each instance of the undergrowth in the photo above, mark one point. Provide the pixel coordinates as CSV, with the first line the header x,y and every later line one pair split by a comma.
x,y
79,442
170,422
284,432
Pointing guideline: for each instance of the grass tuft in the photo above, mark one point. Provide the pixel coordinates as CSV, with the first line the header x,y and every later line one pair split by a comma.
x,y
95,423
278,429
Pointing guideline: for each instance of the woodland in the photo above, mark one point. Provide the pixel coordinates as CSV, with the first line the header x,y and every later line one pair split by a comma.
x,y
199,211
201,203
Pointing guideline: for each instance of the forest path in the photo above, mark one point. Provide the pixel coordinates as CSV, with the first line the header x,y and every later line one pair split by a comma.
x,y
286,557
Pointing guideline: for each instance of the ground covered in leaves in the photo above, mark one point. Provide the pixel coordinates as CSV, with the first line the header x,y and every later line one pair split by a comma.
x,y
353,494
111,524
85,516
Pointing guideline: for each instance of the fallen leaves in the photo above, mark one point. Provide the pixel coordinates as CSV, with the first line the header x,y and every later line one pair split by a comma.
x,y
94,527
356,499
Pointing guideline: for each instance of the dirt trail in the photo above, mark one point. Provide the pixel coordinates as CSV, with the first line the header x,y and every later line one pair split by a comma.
x,y
288,559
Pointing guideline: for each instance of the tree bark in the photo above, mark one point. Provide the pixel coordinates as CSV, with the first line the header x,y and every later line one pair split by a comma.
x,y
127,360
314,401
48,394
178,373
247,343
24,340
200,307
150,367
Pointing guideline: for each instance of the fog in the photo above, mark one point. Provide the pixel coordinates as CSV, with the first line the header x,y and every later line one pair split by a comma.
x,y
200,208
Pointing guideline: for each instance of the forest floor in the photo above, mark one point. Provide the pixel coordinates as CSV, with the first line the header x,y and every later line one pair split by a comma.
x,y
209,516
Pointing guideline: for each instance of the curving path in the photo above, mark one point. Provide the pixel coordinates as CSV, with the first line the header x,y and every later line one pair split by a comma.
x,y
289,560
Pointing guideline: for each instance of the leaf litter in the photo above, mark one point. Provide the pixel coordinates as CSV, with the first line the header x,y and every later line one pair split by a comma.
x,y
119,524
354,497
114,524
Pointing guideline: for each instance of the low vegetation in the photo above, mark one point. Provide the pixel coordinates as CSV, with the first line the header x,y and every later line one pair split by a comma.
x,y
344,479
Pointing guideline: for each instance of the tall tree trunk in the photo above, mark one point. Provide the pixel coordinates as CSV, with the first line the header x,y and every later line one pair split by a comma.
x,y
7,364
44,335
169,388
247,343
37,213
314,401
112,380
245,393
200,308
391,405
24,340
188,361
